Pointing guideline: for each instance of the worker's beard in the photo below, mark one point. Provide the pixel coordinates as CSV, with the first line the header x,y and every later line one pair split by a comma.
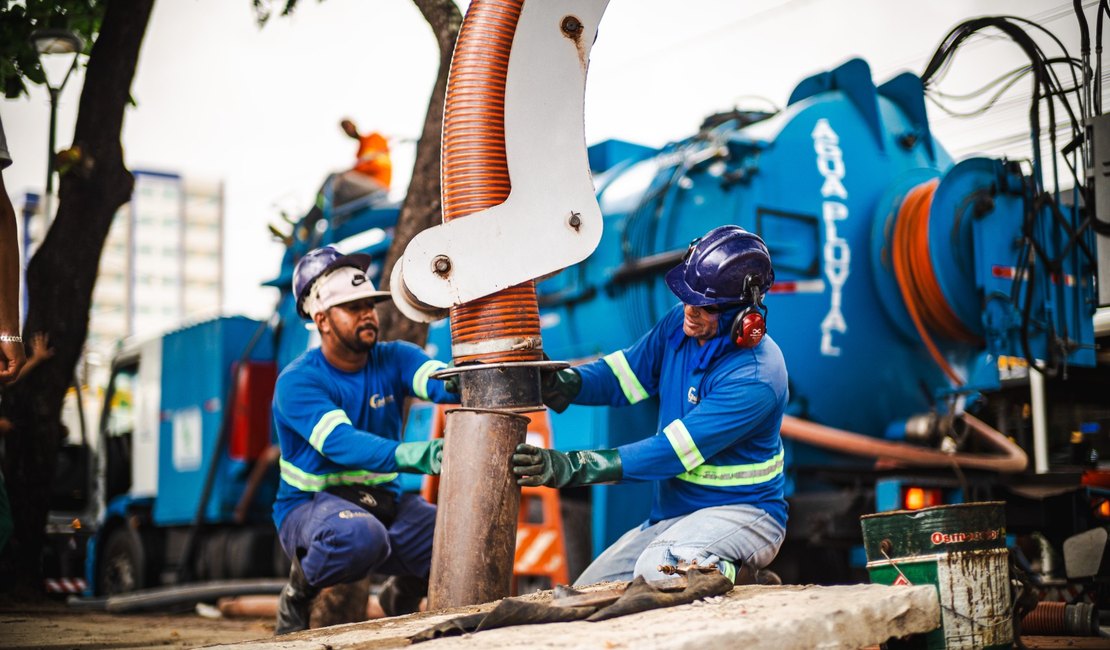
x,y
361,340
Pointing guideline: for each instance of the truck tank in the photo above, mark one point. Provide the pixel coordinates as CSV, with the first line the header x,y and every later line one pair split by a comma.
x,y
822,182
850,191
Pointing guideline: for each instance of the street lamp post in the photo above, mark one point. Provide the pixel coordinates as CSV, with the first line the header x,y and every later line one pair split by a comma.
x,y
57,50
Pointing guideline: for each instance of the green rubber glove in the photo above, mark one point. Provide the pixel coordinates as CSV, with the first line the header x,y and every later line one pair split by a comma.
x,y
535,466
451,384
420,457
560,387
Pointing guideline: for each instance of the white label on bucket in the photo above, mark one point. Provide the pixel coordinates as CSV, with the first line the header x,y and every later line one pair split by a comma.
x,y
974,591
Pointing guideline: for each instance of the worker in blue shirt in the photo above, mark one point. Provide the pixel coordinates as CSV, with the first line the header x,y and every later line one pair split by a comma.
x,y
337,409
716,458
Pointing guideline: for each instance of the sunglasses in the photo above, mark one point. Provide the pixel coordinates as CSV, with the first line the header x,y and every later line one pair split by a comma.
x,y
717,309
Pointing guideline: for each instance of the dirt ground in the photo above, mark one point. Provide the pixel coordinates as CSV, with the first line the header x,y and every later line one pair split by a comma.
x,y
54,626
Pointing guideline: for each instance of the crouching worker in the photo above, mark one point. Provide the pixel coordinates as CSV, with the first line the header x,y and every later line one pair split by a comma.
x,y
339,512
716,457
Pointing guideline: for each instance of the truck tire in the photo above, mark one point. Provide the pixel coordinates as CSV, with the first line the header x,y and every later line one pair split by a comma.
x,y
212,559
248,554
122,565
281,562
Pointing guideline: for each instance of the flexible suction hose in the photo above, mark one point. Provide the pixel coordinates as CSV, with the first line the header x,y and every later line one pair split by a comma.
x,y
1010,459
917,281
504,326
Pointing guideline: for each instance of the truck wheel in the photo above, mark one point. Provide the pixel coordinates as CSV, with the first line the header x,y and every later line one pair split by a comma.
x,y
121,565
281,562
247,554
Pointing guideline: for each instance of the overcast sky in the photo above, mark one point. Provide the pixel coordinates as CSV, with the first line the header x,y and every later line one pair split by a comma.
x,y
220,99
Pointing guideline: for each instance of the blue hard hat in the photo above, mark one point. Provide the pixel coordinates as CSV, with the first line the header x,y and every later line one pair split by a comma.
x,y
722,268
318,262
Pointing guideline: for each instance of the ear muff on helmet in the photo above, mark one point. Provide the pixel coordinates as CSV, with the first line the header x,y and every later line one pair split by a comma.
x,y
750,325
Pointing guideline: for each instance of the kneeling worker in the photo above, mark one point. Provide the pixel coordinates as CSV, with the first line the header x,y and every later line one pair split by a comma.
x,y
717,456
339,512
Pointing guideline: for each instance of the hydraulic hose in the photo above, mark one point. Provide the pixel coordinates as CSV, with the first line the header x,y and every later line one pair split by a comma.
x,y
1011,458
917,281
504,326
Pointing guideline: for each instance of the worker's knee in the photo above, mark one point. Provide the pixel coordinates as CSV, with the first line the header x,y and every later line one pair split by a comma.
x,y
349,549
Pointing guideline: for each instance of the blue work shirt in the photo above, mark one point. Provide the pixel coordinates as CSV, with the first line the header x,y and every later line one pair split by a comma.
x,y
342,428
720,409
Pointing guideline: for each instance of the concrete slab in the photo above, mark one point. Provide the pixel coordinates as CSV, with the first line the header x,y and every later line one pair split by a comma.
x,y
751,617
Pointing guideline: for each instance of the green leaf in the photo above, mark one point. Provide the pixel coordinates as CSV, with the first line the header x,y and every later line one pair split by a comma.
x,y
19,63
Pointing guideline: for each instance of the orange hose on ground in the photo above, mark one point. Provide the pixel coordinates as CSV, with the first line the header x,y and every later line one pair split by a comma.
x,y
1011,459
917,281
476,177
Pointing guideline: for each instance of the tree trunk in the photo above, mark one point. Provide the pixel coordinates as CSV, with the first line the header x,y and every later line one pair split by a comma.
x,y
62,274
421,208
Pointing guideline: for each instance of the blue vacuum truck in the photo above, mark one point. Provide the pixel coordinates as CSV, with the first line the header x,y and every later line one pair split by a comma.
x,y
944,323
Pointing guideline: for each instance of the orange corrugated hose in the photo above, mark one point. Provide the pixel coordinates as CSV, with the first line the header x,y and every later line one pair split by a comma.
x,y
476,176
913,269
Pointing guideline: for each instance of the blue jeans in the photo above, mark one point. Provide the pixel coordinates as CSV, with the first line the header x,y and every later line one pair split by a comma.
x,y
728,536
339,542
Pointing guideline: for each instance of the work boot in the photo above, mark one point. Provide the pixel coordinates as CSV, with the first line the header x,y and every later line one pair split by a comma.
x,y
402,595
747,575
767,577
295,604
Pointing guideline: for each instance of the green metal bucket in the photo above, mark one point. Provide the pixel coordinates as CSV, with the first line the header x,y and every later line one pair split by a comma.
x,y
961,550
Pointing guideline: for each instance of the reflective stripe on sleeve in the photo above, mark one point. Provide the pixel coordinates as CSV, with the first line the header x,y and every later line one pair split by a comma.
x,y
630,385
420,379
325,426
683,444
732,475
306,482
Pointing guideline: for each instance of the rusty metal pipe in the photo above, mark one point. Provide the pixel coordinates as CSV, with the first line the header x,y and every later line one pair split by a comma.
x,y
475,535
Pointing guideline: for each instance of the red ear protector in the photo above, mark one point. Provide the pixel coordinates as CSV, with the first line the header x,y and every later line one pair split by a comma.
x,y
750,325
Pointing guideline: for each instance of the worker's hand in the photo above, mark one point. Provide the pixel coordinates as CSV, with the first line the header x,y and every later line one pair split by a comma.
x,y
420,457
534,466
451,384
560,387
12,359
40,346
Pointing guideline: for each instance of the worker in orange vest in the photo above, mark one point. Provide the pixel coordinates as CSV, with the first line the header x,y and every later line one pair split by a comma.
x,y
372,171
371,174
373,154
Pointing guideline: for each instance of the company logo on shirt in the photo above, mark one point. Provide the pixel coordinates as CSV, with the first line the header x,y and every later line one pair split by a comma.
x,y
692,395
377,401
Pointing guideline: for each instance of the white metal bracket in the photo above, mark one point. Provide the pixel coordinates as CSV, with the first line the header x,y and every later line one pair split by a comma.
x,y
551,218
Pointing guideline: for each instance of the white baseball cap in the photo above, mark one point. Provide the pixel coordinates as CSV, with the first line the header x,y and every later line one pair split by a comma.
x,y
344,284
